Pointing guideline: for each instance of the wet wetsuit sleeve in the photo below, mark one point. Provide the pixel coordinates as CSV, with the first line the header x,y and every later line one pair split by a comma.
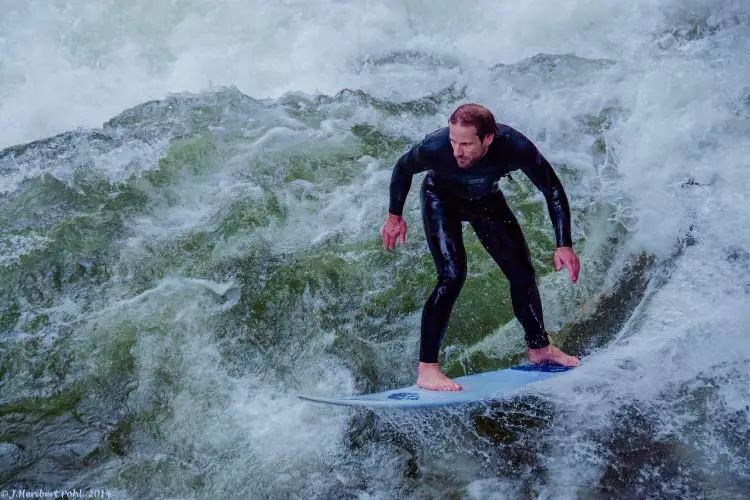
x,y
412,162
541,173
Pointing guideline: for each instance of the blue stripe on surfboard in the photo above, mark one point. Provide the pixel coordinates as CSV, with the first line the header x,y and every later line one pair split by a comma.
x,y
476,387
543,367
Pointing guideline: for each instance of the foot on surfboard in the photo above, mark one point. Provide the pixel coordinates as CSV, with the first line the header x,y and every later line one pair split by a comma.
x,y
430,377
551,354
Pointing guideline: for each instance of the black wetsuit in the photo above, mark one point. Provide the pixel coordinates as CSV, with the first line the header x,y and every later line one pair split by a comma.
x,y
451,195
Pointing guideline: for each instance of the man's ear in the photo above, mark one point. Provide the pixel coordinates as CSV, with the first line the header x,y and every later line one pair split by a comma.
x,y
488,140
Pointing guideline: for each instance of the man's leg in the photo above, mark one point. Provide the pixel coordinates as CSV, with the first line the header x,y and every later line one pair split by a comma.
x,y
501,235
442,227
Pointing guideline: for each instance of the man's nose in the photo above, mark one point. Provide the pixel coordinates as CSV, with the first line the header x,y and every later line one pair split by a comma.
x,y
458,151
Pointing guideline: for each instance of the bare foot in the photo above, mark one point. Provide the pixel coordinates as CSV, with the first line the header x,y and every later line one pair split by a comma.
x,y
553,354
430,377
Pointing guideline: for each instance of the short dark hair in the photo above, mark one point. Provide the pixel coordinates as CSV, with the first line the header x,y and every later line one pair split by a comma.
x,y
477,116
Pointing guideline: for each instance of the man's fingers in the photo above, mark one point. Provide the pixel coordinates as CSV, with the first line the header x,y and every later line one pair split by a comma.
x,y
392,236
574,266
387,241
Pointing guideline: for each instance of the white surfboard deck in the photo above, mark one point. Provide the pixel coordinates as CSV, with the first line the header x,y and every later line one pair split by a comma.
x,y
477,387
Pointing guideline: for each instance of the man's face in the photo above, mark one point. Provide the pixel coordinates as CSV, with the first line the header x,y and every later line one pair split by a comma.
x,y
467,147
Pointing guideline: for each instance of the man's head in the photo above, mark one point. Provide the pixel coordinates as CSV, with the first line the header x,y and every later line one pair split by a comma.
x,y
472,130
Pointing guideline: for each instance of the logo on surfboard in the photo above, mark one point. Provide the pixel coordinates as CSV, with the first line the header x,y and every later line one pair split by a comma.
x,y
404,395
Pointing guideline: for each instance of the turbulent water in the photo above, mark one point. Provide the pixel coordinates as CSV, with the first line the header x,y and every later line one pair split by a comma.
x,y
192,195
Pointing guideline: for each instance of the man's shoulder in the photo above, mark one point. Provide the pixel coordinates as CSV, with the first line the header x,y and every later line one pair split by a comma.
x,y
510,138
436,141
507,132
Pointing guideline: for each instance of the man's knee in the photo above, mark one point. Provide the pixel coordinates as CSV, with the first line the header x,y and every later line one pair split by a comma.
x,y
521,273
452,278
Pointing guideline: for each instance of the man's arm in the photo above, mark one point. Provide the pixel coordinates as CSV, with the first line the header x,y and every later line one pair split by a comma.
x,y
412,162
541,173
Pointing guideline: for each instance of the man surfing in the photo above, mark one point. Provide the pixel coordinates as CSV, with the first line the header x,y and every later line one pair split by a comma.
x,y
465,161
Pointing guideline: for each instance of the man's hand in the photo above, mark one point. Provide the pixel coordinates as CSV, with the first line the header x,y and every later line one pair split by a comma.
x,y
566,257
394,230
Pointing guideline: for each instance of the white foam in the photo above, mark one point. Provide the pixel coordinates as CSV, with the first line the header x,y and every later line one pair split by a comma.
x,y
15,246
81,64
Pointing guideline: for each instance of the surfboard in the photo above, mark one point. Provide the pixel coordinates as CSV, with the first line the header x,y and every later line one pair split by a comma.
x,y
477,387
